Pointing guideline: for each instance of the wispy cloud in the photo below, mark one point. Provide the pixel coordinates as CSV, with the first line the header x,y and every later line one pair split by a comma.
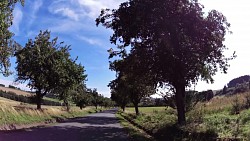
x,y
91,41
18,16
37,4
67,12
65,9
76,9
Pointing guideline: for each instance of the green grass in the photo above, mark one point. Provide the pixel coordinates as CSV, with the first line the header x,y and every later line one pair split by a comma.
x,y
146,109
53,99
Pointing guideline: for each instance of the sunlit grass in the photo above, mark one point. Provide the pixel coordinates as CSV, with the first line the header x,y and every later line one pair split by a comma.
x,y
146,110
12,112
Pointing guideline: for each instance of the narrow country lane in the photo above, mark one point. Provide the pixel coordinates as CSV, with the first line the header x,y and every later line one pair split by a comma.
x,y
96,127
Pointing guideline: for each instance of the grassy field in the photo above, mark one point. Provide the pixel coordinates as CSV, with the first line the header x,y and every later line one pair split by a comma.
x,y
14,113
207,121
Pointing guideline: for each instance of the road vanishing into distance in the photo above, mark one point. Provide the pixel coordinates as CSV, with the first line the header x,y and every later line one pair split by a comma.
x,y
95,127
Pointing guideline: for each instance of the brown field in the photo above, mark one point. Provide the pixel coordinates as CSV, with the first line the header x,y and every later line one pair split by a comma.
x,y
19,92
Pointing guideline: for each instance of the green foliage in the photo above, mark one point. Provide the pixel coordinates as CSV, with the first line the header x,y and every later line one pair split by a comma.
x,y
81,97
7,44
97,99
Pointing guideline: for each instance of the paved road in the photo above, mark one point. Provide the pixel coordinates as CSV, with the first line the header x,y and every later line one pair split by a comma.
x,y
95,127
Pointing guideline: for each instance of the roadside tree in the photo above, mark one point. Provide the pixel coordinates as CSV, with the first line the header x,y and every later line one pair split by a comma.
x,y
175,41
48,68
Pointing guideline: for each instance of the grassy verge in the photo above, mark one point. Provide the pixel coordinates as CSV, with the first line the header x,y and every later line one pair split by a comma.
x,y
203,123
135,133
14,114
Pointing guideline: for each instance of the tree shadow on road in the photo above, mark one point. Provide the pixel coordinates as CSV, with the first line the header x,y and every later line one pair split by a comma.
x,y
66,133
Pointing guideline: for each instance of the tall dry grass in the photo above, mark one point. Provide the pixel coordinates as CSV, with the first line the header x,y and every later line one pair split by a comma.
x,y
12,112
223,103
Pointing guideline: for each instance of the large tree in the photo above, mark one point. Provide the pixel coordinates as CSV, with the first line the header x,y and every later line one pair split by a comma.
x,y
47,67
7,44
176,41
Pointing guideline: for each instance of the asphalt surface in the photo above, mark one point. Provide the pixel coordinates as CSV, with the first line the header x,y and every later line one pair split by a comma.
x,y
95,127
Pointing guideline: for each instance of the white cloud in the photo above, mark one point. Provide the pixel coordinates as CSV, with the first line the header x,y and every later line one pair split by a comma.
x,y
68,13
93,7
64,10
18,16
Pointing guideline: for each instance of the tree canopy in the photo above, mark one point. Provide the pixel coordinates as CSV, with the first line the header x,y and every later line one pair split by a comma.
x,y
175,42
7,44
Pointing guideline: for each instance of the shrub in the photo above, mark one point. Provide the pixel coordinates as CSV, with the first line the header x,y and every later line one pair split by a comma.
x,y
247,100
13,87
236,106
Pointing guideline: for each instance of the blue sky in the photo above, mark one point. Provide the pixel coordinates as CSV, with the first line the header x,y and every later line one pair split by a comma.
x,y
73,21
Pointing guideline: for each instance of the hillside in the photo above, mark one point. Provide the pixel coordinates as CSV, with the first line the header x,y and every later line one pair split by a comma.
x,y
26,97
18,92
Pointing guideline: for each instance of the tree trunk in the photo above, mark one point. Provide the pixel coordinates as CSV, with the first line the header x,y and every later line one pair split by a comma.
x,y
123,108
67,105
38,101
96,107
180,104
136,109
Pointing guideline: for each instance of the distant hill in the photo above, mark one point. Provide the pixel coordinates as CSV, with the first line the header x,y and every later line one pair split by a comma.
x,y
237,81
237,85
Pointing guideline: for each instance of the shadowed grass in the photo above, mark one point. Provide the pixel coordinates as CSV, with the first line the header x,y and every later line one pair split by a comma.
x,y
135,133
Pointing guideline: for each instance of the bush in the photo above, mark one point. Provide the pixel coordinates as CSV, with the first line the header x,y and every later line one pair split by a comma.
x,y
2,85
13,87
236,106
